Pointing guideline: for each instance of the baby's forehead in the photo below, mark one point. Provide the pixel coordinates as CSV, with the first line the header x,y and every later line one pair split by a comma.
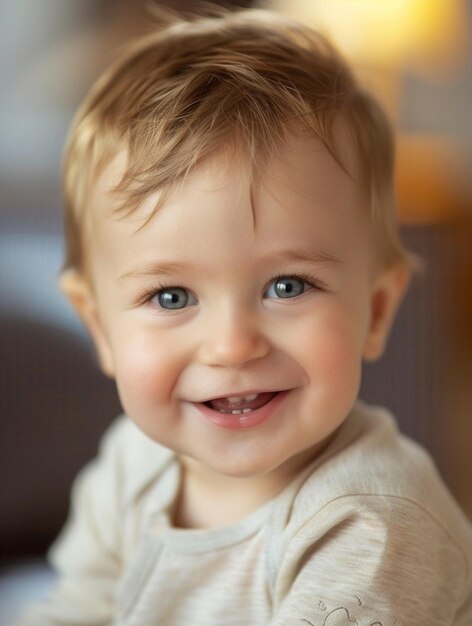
x,y
290,162
225,209
111,174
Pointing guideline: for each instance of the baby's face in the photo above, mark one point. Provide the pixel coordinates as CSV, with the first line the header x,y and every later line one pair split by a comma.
x,y
238,342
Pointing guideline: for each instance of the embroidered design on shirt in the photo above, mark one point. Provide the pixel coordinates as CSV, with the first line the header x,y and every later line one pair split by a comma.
x,y
339,617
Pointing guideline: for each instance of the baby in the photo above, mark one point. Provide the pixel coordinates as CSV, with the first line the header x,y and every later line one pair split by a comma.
x,y
232,249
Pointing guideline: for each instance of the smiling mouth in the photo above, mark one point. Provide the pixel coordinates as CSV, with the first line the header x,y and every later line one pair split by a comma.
x,y
236,405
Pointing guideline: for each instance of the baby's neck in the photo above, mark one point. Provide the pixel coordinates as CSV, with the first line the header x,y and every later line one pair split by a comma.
x,y
207,499
204,504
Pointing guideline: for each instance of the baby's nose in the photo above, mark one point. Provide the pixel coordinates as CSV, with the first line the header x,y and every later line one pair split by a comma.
x,y
233,340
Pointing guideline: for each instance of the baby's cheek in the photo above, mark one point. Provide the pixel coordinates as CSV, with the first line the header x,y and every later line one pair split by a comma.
x,y
145,375
334,354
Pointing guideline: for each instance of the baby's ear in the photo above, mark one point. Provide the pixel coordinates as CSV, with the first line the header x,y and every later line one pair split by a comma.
x,y
387,293
77,289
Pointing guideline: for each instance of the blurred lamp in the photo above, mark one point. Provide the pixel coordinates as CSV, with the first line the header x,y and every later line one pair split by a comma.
x,y
387,32
385,39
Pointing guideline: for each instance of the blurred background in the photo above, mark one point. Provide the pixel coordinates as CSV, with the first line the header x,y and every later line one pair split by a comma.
x,y
54,403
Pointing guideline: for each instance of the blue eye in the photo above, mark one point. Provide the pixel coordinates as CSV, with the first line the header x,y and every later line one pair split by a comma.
x,y
287,287
173,298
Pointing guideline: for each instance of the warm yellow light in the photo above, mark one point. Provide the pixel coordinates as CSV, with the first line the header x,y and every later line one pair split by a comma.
x,y
432,178
385,31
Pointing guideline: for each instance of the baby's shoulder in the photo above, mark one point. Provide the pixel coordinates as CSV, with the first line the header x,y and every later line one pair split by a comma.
x,y
371,516
133,458
372,465
370,456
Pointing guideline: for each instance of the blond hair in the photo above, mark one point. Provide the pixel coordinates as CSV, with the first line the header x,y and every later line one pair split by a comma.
x,y
183,91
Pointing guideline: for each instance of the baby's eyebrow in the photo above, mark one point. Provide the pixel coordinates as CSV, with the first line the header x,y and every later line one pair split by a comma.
x,y
157,267
171,268
304,255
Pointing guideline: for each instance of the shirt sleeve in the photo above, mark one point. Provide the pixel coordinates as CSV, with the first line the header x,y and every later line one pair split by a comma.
x,y
86,555
373,561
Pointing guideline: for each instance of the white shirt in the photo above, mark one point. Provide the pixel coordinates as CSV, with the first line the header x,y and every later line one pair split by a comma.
x,y
367,535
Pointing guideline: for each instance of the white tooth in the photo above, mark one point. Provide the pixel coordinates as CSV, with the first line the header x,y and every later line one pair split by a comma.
x,y
234,399
247,410
236,412
240,400
251,397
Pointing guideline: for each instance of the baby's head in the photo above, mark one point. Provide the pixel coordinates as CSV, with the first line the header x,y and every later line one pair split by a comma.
x,y
248,80
231,232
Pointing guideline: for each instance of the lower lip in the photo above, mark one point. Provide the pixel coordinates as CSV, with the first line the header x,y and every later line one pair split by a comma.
x,y
243,420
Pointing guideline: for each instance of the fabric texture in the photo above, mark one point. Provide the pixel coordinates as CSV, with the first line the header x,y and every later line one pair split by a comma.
x,y
367,535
